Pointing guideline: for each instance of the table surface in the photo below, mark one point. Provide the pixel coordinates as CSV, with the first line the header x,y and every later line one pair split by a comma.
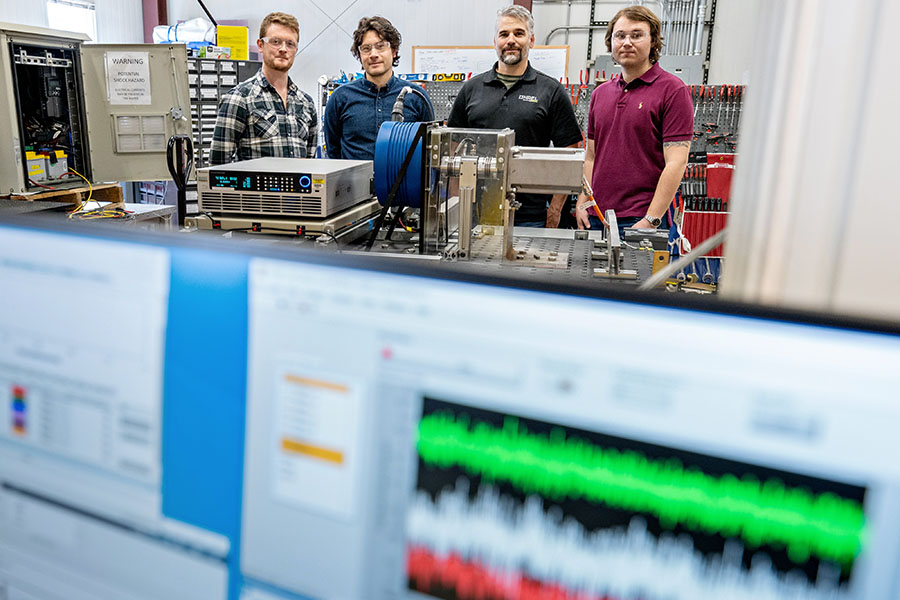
x,y
21,207
55,210
151,211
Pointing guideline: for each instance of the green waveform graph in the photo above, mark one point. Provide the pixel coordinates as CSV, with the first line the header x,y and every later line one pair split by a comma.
x,y
559,467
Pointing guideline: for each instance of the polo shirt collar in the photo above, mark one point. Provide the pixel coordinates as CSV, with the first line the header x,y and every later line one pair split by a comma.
x,y
652,74
647,78
530,74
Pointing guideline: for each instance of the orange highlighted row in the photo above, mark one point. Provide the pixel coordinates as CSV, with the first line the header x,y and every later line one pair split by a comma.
x,y
318,383
326,454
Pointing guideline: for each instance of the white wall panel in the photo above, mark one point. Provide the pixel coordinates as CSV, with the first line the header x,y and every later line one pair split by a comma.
x,y
33,12
119,21
462,22
551,15
422,22
327,27
812,204
734,40
733,35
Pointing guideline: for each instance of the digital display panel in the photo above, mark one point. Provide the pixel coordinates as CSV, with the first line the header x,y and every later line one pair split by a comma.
x,y
221,180
262,182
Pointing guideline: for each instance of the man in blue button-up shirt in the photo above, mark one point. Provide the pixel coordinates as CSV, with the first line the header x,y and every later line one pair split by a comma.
x,y
356,110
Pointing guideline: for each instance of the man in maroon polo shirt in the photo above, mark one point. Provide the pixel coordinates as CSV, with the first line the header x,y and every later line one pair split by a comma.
x,y
640,126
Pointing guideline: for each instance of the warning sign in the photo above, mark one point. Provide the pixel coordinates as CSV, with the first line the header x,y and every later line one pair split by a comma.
x,y
128,77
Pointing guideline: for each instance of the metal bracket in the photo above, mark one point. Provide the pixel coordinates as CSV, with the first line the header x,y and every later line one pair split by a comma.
x,y
510,205
468,179
47,60
709,39
613,268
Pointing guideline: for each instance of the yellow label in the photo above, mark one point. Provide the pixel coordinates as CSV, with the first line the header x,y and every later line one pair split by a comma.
x,y
35,170
35,156
235,38
318,181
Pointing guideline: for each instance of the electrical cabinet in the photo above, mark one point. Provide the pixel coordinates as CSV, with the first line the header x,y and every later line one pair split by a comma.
x,y
104,111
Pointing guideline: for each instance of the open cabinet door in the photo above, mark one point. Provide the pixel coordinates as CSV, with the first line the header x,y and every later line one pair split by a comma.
x,y
136,97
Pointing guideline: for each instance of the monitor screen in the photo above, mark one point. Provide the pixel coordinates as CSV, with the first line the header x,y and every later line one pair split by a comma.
x,y
187,419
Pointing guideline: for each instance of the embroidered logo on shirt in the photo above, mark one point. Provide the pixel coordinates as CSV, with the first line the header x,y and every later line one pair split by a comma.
x,y
532,99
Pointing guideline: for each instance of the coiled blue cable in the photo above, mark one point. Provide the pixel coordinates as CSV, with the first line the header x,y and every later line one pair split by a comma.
x,y
393,142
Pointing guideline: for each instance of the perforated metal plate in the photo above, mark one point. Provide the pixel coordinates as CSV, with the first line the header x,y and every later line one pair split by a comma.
x,y
487,257
444,93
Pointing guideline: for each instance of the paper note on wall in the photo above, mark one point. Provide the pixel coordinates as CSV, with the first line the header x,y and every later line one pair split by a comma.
x,y
235,38
128,78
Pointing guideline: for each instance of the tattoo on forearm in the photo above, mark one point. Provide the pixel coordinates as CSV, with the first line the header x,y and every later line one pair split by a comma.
x,y
684,144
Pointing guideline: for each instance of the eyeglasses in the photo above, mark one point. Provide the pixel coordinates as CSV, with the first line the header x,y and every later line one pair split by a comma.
x,y
277,43
379,47
635,36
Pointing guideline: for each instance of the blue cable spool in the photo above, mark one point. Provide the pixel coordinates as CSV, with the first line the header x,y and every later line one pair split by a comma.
x,y
393,142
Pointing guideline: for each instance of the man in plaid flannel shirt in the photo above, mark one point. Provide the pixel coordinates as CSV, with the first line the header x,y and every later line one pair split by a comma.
x,y
267,115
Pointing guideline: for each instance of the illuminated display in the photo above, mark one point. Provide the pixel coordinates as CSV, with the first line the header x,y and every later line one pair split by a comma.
x,y
262,182
223,180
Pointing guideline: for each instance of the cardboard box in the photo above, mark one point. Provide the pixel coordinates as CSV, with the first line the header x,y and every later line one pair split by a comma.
x,y
217,52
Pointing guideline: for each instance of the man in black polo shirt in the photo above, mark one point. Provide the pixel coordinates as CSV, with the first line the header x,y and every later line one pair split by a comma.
x,y
513,94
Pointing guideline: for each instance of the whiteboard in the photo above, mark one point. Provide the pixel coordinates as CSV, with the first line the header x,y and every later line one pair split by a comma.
x,y
550,60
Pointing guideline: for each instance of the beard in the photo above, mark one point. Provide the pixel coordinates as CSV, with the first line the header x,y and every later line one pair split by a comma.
x,y
511,58
278,65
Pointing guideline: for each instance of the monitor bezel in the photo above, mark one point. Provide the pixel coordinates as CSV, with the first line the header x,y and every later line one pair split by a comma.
x,y
281,248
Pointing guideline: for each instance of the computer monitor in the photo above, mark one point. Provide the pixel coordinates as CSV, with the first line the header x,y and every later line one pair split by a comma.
x,y
101,492
251,423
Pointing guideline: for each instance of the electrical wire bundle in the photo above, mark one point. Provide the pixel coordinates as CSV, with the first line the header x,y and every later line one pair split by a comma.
x,y
101,212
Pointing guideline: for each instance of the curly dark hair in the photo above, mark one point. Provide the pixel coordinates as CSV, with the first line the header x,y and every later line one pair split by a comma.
x,y
639,13
385,30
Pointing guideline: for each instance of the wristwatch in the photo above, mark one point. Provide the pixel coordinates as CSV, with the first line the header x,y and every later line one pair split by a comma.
x,y
655,221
